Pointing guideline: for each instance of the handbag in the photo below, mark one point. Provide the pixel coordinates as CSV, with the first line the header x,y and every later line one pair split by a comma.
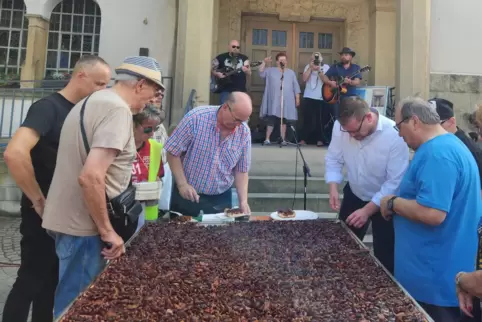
x,y
124,210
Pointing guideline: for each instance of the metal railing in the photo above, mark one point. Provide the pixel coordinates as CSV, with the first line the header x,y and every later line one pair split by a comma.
x,y
191,101
16,97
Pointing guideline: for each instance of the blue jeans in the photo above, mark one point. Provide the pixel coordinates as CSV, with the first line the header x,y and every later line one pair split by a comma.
x,y
80,262
223,96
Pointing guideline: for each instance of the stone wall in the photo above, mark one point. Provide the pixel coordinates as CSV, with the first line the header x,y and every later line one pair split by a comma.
x,y
462,90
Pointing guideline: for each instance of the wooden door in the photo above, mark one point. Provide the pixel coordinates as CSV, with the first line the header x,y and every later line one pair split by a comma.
x,y
264,36
317,36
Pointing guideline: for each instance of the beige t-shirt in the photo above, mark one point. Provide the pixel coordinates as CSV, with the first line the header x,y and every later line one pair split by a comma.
x,y
108,124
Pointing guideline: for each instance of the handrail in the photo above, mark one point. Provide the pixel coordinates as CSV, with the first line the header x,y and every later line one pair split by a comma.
x,y
190,102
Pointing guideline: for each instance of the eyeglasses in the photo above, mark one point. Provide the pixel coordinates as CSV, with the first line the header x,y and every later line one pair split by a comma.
x,y
443,121
235,47
234,117
397,126
150,129
357,130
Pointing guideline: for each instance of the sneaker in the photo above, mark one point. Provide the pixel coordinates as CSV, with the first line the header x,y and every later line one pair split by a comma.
x,y
302,142
266,142
284,143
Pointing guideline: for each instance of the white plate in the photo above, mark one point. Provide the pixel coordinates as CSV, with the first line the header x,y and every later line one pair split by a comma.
x,y
299,215
216,217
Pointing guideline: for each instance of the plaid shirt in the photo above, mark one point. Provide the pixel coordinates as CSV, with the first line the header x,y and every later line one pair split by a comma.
x,y
209,163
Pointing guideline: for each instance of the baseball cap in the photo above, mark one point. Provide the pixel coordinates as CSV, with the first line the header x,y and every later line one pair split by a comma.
x,y
445,108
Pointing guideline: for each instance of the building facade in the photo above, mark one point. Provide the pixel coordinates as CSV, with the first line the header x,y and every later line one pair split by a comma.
x,y
418,46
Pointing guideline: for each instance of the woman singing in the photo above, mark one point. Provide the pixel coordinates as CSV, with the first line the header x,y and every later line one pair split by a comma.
x,y
279,80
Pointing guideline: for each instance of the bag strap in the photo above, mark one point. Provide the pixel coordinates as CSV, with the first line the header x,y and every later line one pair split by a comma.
x,y
82,127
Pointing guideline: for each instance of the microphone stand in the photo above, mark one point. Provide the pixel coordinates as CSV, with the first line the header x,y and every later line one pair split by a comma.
x,y
282,104
306,168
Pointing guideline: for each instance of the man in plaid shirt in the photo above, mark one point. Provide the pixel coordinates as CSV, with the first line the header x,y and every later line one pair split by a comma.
x,y
208,152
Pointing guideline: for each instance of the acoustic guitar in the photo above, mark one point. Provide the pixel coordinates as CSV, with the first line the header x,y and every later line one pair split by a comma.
x,y
331,95
219,84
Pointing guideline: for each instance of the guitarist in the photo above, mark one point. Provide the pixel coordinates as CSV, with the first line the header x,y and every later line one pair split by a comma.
x,y
232,59
344,69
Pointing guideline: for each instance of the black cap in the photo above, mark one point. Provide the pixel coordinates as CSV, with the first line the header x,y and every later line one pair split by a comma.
x,y
445,108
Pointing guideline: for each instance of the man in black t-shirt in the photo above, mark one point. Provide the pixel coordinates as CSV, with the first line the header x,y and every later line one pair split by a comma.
x,y
231,60
31,156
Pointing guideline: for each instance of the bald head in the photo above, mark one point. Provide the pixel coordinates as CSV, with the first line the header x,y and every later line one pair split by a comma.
x,y
241,104
234,46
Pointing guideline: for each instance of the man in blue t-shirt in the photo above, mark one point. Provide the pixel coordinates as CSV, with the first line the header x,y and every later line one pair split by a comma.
x,y
436,212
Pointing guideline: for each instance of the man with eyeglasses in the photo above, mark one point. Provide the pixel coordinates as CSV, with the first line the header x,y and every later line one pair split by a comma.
x,y
435,213
366,144
208,152
231,60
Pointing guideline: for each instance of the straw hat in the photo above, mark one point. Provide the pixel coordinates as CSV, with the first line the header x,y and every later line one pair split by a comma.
x,y
143,67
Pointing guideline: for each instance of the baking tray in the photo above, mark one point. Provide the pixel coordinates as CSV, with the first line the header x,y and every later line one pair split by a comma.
x,y
223,223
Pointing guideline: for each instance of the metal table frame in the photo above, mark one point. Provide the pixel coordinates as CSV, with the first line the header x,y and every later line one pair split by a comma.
x,y
345,227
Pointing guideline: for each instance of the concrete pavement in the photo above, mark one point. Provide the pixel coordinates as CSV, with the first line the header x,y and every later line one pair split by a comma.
x,y
9,255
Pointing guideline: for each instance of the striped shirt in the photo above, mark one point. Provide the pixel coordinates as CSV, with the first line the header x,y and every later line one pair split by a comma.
x,y
210,163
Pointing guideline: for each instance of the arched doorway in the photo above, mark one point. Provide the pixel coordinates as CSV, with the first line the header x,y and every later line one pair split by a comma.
x,y
74,31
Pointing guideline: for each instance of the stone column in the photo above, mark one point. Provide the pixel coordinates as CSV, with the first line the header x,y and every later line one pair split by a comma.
x,y
413,48
194,53
383,31
36,54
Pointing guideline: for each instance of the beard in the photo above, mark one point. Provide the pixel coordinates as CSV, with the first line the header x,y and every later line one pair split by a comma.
x,y
345,61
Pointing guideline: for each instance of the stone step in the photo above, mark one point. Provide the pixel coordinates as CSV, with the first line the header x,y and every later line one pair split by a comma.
x,y
286,184
269,202
10,208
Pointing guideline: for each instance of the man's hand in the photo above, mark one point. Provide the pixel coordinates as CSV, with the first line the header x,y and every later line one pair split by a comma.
x,y
244,206
358,218
313,66
219,75
297,101
188,192
347,81
334,198
386,213
267,60
465,299
333,84
245,69
39,206
116,245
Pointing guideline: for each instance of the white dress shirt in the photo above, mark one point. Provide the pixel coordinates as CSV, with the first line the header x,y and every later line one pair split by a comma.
x,y
375,165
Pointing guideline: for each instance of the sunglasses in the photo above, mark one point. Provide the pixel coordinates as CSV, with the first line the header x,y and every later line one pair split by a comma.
x,y
235,47
150,129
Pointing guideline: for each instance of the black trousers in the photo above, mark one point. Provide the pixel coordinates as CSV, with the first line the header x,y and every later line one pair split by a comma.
x,y
316,121
37,276
383,233
209,204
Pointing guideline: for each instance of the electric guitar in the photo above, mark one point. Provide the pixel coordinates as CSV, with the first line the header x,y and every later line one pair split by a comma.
x,y
219,84
331,95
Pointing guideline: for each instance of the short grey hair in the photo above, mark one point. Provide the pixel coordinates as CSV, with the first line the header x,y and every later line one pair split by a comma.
x,y
416,106
126,79
150,112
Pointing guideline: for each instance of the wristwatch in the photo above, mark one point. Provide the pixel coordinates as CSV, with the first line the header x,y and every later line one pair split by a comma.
x,y
390,203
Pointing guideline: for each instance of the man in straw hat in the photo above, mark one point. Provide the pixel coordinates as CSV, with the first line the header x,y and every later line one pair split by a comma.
x,y
75,213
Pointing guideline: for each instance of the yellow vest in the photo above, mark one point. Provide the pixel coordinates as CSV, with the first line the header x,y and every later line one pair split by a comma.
x,y
155,162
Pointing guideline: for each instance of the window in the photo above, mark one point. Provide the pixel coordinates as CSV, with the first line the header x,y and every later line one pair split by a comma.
x,y
13,37
74,31
307,39
260,37
278,38
325,41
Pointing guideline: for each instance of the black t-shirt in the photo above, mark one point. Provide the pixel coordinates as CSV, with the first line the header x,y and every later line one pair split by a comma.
x,y
227,63
46,117
474,149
